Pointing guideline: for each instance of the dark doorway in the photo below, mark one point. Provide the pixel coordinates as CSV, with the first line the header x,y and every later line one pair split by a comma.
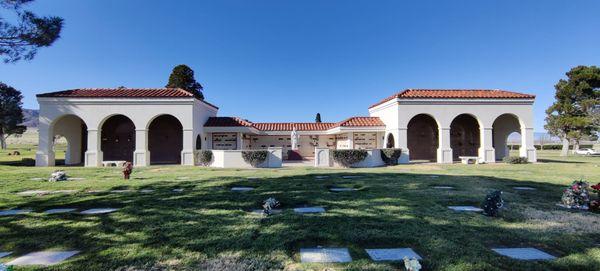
x,y
198,142
165,140
464,136
118,139
390,141
423,138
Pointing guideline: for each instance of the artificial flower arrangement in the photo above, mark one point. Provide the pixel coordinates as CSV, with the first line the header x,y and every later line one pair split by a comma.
x,y
269,205
58,175
493,203
5,268
412,264
576,196
595,204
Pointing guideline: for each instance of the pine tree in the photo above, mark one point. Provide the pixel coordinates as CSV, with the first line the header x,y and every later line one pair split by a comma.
x,y
182,77
11,112
318,118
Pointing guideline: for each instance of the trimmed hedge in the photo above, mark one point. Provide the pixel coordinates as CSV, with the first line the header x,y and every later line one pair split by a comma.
x,y
349,157
390,156
255,158
514,160
204,157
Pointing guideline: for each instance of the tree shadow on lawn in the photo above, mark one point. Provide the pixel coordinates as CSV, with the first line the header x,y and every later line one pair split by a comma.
x,y
393,210
545,160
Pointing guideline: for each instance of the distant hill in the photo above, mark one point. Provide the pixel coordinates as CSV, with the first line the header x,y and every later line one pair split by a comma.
x,y
30,117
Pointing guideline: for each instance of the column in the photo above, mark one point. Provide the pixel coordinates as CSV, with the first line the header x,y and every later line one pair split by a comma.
x,y
240,141
187,153
486,147
351,140
401,142
444,151
141,155
527,145
93,154
44,157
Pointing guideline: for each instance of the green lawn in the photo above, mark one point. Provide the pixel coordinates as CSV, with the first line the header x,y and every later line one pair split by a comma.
x,y
207,226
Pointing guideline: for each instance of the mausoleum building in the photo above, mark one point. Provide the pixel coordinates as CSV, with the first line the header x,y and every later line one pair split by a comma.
x,y
168,125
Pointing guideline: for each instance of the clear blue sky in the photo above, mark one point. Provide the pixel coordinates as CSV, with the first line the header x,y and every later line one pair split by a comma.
x,y
287,60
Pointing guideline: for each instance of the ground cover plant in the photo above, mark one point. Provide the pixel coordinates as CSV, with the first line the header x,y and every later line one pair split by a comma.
x,y
208,226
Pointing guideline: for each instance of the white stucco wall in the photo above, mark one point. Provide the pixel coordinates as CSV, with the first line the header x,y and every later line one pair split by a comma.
x,y
396,115
190,112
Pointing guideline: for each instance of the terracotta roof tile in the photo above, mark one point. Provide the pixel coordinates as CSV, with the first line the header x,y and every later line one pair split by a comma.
x,y
455,94
289,126
122,93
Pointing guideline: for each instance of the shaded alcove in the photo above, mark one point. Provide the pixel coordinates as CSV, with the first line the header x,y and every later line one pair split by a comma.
x,y
464,136
422,137
165,140
74,130
118,139
505,126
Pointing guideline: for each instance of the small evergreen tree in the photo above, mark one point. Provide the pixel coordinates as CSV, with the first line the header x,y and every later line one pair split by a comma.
x,y
11,113
318,118
571,117
182,77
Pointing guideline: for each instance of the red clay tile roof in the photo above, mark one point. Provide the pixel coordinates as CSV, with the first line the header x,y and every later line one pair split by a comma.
x,y
227,122
455,94
361,122
121,93
289,126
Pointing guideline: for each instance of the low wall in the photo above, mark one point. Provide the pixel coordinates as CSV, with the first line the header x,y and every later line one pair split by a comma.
x,y
323,158
234,159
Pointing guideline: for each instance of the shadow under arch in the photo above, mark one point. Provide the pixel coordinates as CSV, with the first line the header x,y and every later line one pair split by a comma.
x,y
504,125
422,137
464,136
74,130
165,139
117,138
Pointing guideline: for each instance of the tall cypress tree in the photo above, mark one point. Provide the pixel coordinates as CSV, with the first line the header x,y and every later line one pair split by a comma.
x,y
318,118
182,77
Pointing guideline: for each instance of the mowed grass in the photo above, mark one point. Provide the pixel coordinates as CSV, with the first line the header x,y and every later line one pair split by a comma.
x,y
208,227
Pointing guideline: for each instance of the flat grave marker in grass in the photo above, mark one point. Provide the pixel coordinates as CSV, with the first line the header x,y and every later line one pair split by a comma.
x,y
308,210
262,212
182,178
351,177
342,189
524,253
321,177
4,254
392,254
43,258
178,190
75,179
147,191
524,188
98,211
443,187
242,188
15,212
33,192
325,255
59,211
122,191
465,208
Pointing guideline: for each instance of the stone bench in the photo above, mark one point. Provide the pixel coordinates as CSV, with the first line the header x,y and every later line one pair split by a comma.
x,y
469,160
113,163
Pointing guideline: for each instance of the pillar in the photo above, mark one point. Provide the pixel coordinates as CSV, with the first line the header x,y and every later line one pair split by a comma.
x,y
93,154
444,151
486,147
239,141
351,140
187,153
527,145
44,156
141,155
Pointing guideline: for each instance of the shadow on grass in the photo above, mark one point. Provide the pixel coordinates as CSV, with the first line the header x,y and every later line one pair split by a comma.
x,y
204,221
559,161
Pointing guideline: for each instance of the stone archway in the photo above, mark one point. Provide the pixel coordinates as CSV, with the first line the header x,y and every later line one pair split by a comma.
x,y
464,136
390,141
165,140
422,137
503,127
74,130
117,139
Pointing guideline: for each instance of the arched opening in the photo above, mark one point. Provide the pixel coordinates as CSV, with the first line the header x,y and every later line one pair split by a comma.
x,y
506,135
422,136
198,142
464,136
390,141
69,135
165,140
118,139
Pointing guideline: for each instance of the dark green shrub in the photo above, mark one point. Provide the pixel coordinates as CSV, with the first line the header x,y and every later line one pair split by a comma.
x,y
204,157
514,160
255,158
349,157
390,156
